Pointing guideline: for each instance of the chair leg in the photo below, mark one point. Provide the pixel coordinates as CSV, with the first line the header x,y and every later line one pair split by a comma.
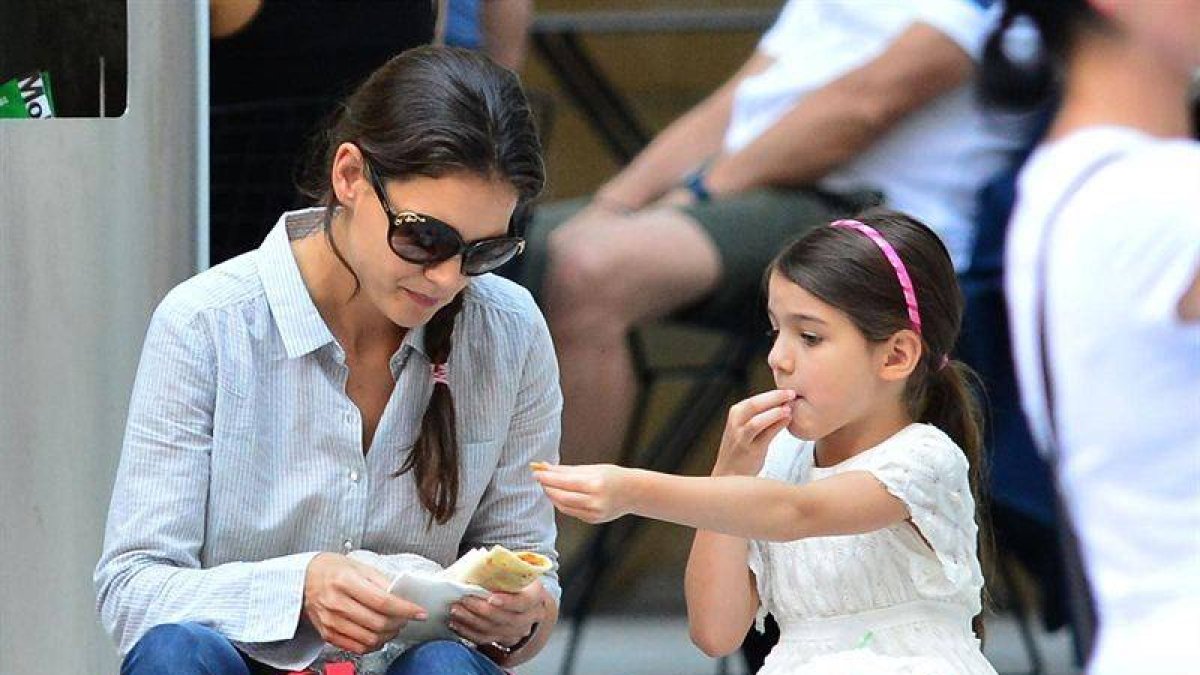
x,y
1024,622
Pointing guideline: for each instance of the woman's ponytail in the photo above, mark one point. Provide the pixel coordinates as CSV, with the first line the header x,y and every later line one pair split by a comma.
x,y
1021,80
434,457
1023,57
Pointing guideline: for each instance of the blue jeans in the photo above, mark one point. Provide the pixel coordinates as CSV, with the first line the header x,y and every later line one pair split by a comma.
x,y
443,657
193,649
186,649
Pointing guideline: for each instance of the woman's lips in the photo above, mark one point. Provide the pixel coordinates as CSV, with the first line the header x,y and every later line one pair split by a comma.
x,y
422,299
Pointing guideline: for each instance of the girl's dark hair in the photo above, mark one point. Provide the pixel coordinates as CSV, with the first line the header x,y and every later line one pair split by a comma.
x,y
846,270
434,112
1035,78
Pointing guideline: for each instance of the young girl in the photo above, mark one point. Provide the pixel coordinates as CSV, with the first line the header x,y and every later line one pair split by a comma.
x,y
841,502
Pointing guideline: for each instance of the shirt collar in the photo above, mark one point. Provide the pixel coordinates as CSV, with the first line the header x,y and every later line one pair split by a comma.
x,y
300,324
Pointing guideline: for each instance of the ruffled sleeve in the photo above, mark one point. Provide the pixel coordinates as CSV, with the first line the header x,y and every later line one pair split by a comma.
x,y
926,470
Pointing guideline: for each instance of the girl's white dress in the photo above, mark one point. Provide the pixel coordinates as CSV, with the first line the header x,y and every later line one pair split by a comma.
x,y
886,601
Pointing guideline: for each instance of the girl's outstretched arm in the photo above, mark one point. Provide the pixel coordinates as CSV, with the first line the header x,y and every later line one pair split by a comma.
x,y
742,506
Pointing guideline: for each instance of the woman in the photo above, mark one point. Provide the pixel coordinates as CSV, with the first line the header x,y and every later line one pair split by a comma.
x,y
358,383
1104,293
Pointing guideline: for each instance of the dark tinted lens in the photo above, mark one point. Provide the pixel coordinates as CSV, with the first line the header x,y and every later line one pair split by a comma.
x,y
422,239
488,255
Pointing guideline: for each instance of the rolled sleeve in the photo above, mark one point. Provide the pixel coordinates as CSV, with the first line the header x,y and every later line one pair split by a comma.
x,y
968,23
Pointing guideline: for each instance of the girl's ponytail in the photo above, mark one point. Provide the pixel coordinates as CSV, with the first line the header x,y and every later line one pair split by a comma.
x,y
951,405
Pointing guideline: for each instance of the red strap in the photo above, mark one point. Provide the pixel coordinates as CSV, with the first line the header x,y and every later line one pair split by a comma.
x,y
339,668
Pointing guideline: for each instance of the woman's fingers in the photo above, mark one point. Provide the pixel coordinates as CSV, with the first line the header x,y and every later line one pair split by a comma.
x,y
347,634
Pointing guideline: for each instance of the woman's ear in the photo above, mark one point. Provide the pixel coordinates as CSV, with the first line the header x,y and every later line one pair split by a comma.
x,y
348,177
902,353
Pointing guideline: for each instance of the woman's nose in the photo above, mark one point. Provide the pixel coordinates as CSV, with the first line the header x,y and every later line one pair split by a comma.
x,y
447,274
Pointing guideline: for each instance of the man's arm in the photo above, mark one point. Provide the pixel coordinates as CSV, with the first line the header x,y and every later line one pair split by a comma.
x,y
837,122
505,26
681,147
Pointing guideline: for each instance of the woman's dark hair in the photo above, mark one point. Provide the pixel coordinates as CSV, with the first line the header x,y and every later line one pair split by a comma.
x,y
846,270
434,112
1034,78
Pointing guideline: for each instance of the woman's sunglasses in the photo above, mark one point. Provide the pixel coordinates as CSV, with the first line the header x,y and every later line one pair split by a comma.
x,y
425,240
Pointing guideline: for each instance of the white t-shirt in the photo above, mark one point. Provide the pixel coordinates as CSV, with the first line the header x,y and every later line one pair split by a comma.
x,y
933,163
1126,371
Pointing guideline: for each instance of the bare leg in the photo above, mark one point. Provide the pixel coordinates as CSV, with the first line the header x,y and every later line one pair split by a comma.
x,y
608,273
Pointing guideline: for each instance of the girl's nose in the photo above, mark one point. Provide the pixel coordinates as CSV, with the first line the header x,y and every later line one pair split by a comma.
x,y
778,359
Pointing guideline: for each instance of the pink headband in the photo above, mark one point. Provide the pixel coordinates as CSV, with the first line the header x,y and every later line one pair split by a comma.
x,y
906,284
441,374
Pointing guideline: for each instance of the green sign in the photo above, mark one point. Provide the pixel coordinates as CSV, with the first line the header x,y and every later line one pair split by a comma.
x,y
27,97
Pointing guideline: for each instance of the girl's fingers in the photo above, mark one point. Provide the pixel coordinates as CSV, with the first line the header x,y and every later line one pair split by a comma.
x,y
566,500
779,426
561,478
764,421
747,409
577,514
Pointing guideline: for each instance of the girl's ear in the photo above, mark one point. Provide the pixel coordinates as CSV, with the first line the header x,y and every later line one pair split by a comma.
x,y
347,174
902,353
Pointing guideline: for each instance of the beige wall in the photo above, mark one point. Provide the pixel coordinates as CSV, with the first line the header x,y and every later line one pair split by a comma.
x,y
661,75
97,220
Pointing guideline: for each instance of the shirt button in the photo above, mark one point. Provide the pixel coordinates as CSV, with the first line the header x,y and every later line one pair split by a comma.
x,y
348,545
353,476
349,418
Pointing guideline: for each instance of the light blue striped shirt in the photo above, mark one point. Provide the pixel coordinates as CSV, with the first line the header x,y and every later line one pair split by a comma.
x,y
243,454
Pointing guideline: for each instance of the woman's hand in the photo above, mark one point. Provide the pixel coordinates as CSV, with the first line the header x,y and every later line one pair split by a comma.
x,y
349,605
504,618
594,493
751,425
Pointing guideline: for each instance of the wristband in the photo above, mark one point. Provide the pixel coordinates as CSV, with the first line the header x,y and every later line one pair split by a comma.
x,y
695,184
505,651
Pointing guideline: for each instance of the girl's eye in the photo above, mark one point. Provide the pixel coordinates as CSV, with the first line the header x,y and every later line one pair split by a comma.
x,y
811,339
773,333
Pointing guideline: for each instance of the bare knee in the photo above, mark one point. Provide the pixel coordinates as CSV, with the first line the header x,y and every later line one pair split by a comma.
x,y
585,295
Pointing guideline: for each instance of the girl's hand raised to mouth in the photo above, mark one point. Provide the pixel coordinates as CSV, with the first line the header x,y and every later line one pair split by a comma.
x,y
749,429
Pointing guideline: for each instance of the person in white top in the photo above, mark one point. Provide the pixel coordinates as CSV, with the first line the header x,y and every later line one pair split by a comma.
x,y
842,100
1103,285
860,539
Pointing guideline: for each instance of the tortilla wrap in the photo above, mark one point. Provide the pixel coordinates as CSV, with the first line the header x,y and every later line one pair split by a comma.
x,y
499,569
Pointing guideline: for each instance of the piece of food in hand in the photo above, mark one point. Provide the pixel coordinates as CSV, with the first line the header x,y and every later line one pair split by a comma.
x,y
499,569
539,466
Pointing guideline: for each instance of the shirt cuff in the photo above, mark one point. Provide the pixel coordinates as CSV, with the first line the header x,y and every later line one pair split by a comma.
x,y
276,598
